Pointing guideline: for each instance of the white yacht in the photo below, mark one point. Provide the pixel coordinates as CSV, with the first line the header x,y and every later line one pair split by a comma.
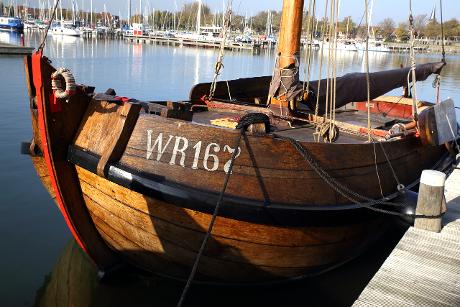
x,y
374,45
64,28
342,45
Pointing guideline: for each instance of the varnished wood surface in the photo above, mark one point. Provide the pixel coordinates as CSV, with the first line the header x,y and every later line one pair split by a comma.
x,y
165,236
258,175
57,130
110,133
42,172
290,31
266,162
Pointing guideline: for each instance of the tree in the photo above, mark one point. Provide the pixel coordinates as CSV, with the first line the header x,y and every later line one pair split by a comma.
x,y
432,29
346,26
451,28
387,27
402,31
420,22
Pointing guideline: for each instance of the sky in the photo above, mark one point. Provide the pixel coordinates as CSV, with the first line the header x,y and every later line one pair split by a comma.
x,y
396,9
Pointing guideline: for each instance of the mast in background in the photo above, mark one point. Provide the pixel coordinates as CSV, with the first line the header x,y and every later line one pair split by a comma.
x,y
129,13
198,18
141,12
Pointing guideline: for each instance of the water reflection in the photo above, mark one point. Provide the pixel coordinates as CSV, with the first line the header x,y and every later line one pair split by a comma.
x,y
152,72
10,38
73,282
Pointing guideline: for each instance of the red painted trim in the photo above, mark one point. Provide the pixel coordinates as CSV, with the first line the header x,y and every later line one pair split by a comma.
x,y
38,83
55,104
376,132
391,109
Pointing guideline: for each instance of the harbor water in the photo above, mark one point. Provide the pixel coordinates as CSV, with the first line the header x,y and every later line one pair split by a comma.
x,y
40,264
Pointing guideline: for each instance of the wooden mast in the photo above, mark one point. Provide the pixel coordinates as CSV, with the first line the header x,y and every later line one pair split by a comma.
x,y
288,53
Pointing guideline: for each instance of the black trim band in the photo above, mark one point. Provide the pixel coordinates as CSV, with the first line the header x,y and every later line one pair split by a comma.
x,y
232,207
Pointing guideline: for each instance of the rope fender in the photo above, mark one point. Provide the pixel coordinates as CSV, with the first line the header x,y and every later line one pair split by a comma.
x,y
58,88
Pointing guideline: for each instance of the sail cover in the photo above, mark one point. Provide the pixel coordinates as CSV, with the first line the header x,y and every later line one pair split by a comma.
x,y
353,86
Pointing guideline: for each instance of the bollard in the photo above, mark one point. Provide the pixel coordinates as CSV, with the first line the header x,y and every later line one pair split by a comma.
x,y
430,200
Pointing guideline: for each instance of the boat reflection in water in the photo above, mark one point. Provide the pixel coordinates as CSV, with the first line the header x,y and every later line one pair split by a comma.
x,y
74,282
13,38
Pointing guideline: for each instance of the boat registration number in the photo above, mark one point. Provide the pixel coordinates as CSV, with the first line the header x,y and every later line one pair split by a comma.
x,y
203,154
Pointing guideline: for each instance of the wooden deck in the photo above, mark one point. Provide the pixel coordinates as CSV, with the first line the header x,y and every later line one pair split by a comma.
x,y
424,268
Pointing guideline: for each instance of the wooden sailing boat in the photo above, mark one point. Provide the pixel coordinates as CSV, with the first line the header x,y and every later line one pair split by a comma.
x,y
139,181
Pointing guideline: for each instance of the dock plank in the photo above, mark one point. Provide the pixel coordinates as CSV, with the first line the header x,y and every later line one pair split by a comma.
x,y
424,267
14,50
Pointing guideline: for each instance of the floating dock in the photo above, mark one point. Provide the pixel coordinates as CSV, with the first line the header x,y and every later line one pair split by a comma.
x,y
174,41
424,268
14,49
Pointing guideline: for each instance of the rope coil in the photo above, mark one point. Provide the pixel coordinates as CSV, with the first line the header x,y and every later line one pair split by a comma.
x,y
57,86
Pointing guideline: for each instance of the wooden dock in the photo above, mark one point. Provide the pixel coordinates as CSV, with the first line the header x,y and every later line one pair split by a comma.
x,y
174,41
14,50
424,268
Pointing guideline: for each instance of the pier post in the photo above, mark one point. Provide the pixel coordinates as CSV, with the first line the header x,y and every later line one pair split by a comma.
x,y
430,200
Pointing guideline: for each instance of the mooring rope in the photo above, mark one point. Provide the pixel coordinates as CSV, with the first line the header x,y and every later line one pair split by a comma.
x,y
243,124
347,192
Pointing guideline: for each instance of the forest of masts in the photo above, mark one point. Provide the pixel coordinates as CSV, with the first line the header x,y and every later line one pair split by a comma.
x,y
265,22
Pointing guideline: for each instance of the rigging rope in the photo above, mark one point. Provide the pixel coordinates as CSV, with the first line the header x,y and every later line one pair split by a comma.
x,y
42,44
412,59
219,63
442,34
437,80
308,55
367,75
334,74
330,50
323,28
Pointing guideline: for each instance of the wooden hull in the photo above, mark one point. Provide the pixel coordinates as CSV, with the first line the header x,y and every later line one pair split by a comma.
x,y
163,238
142,187
52,133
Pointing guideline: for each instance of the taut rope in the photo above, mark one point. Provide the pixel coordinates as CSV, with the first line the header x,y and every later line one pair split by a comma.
x,y
367,75
42,44
412,59
226,27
